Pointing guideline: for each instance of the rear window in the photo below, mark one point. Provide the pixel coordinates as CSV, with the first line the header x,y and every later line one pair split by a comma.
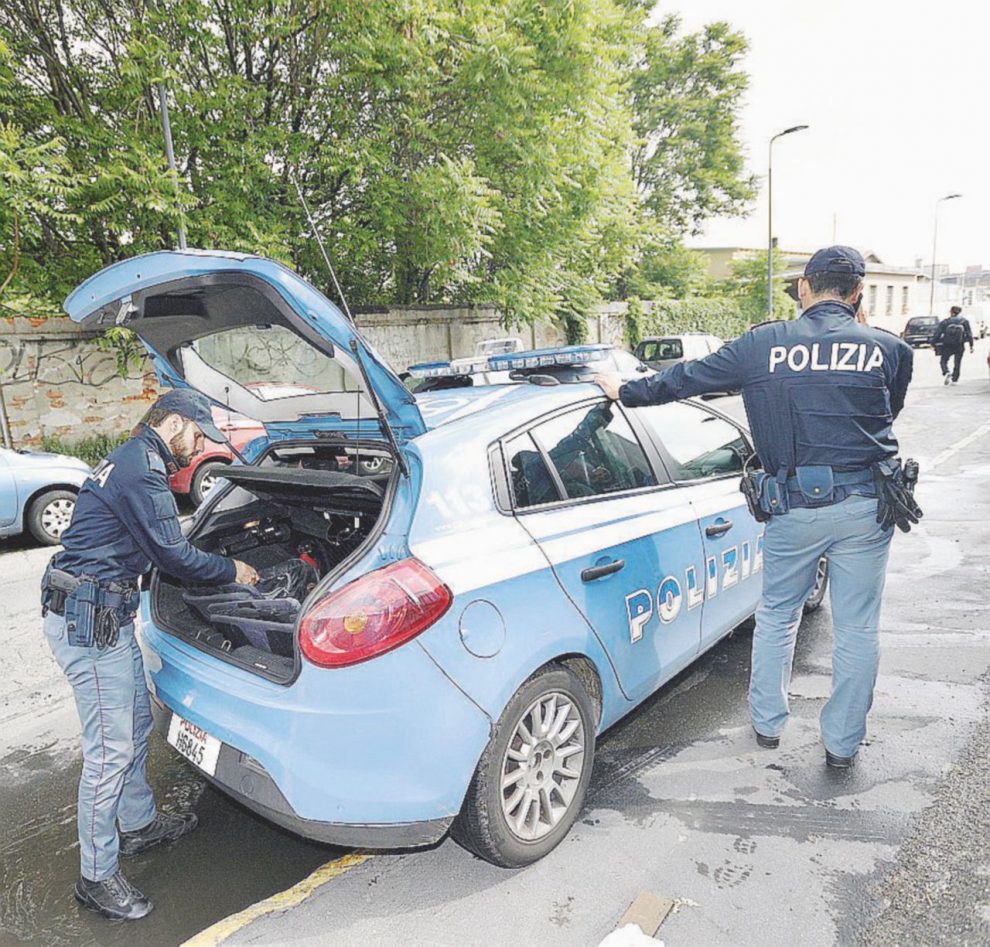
x,y
532,482
594,452
272,362
921,323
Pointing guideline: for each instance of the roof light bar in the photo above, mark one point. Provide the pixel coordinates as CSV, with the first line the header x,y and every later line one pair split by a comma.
x,y
507,361
463,366
542,358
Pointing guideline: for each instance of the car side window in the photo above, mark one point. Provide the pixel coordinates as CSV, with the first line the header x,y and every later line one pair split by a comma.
x,y
594,452
699,445
532,482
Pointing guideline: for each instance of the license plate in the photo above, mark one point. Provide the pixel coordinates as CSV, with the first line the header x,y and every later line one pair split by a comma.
x,y
195,744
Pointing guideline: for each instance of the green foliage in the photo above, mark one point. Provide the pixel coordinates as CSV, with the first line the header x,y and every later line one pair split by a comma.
x,y
719,316
127,350
688,161
517,152
668,270
90,449
748,286
634,321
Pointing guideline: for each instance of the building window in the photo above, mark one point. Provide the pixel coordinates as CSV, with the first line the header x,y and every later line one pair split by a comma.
x,y
873,299
905,294
888,309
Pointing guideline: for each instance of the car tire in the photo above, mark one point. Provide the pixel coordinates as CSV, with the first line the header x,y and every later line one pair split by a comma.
x,y
49,516
821,587
497,821
204,479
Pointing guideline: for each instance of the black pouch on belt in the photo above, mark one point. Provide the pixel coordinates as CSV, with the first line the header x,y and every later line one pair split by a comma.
x,y
80,614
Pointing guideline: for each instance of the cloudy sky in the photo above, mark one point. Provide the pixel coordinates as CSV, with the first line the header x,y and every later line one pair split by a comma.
x,y
896,97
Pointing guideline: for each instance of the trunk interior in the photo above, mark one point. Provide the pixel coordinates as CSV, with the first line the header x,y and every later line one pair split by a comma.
x,y
295,516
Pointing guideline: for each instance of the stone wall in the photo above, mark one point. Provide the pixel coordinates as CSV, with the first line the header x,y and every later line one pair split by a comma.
x,y
55,380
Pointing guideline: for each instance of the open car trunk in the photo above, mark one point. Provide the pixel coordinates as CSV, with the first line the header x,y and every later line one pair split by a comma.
x,y
296,517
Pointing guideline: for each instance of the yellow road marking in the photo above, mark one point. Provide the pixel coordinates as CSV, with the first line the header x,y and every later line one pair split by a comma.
x,y
290,898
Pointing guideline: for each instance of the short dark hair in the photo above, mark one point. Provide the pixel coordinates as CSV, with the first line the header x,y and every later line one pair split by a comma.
x,y
955,310
842,285
153,417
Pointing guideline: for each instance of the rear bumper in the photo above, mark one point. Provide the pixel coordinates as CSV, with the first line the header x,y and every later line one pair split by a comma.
x,y
244,779
378,755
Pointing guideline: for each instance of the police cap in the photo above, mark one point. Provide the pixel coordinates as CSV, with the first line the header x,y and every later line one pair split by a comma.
x,y
837,259
194,407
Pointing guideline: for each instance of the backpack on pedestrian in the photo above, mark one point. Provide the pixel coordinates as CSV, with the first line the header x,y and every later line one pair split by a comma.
x,y
953,336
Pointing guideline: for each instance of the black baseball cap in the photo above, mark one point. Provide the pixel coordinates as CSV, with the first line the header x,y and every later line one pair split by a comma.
x,y
837,259
194,407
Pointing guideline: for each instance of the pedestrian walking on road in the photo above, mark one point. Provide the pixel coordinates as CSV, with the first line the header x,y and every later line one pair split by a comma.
x,y
821,393
952,334
125,522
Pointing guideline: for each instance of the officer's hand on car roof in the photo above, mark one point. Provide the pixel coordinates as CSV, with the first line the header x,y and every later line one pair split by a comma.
x,y
610,383
246,575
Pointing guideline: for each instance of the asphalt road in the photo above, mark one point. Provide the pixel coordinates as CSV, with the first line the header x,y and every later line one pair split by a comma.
x,y
756,847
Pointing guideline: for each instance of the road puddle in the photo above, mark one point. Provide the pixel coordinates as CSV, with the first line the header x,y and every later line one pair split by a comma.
x,y
232,860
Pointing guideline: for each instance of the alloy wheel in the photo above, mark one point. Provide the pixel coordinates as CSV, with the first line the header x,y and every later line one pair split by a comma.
x,y
542,766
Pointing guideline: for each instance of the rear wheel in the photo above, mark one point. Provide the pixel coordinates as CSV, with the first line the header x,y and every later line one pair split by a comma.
x,y
49,516
821,586
204,480
532,778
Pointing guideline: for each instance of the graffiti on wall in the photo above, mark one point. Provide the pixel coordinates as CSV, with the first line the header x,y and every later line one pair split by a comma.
x,y
55,363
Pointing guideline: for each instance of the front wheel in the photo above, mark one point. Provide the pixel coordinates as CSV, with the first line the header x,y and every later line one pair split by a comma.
x,y
532,778
49,516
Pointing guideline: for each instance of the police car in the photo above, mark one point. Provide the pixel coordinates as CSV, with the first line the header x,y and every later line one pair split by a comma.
x,y
535,563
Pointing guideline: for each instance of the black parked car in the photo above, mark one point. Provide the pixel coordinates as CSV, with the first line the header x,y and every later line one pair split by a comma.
x,y
919,330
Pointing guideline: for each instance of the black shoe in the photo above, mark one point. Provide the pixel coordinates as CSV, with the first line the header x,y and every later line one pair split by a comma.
x,y
165,827
768,743
839,762
114,897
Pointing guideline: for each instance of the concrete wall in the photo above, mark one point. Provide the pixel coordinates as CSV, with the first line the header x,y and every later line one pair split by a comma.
x,y
55,380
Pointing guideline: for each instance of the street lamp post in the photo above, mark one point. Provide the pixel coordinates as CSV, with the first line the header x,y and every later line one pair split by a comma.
x,y
786,131
931,296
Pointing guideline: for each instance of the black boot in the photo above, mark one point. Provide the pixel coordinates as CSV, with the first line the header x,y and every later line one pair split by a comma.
x,y
165,827
114,897
768,743
839,762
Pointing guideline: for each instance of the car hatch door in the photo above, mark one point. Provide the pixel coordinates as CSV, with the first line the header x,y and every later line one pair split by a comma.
x,y
254,337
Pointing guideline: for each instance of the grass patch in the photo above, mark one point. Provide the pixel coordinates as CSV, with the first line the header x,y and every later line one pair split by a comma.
x,y
90,449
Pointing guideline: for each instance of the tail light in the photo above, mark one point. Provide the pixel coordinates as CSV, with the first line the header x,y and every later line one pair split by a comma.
x,y
373,614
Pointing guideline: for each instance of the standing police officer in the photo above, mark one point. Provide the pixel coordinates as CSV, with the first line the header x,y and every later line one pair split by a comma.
x,y
821,393
125,522
951,335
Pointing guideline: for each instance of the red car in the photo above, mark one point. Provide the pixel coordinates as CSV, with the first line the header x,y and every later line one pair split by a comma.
x,y
199,477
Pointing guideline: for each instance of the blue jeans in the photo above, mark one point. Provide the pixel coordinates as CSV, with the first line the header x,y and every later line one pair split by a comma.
x,y
112,700
857,549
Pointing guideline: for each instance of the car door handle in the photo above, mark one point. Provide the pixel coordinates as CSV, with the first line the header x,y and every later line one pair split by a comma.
x,y
598,572
718,529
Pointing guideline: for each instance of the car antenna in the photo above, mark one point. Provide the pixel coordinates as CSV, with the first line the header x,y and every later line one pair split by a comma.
x,y
386,428
319,239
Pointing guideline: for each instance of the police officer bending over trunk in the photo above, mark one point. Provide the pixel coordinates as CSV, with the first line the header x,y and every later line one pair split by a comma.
x,y
821,393
125,522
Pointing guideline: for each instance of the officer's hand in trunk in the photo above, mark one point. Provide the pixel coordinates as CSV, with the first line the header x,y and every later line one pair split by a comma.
x,y
246,575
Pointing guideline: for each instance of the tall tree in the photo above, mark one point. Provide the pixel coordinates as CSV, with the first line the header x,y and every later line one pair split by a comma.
x,y
451,150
